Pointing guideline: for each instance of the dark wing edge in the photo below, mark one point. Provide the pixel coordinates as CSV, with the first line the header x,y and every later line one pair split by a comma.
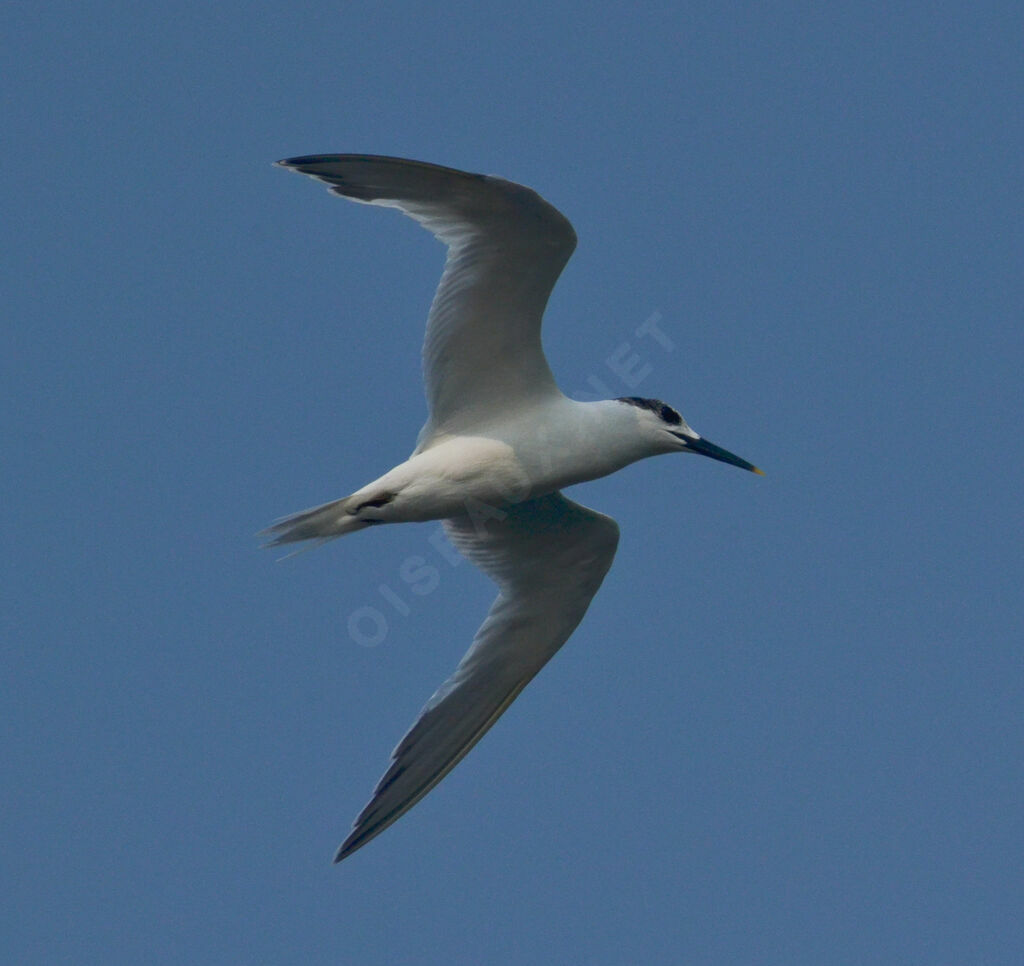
x,y
475,199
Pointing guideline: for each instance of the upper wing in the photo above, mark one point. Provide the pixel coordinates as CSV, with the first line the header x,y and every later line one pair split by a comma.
x,y
548,557
506,248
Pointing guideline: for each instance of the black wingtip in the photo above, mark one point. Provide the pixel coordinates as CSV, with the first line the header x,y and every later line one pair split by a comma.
x,y
345,850
358,837
307,159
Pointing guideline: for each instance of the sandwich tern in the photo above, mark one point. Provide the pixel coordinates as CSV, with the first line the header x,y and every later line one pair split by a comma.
x,y
500,443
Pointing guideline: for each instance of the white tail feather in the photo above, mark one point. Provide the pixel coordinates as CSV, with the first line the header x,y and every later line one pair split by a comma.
x,y
319,523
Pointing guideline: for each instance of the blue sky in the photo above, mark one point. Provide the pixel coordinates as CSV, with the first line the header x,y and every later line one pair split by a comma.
x,y
789,729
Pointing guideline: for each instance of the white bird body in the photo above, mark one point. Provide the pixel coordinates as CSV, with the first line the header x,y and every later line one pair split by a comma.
x,y
500,444
534,451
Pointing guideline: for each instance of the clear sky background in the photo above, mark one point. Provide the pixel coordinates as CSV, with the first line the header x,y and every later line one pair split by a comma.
x,y
790,728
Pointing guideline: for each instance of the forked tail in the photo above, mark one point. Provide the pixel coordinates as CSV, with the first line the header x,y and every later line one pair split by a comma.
x,y
318,523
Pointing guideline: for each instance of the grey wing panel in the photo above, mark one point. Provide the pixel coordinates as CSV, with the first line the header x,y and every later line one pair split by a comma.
x,y
506,248
548,557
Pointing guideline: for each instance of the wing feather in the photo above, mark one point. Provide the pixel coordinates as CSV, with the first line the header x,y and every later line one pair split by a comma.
x,y
548,557
506,248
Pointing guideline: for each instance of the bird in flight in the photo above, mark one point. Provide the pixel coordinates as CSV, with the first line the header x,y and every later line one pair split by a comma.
x,y
500,443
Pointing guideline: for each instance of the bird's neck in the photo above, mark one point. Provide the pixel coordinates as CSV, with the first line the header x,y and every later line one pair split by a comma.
x,y
579,441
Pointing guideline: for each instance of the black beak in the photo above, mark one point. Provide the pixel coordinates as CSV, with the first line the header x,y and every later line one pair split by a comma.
x,y
705,448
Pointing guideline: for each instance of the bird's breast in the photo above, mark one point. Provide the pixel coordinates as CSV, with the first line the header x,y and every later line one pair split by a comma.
x,y
453,476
